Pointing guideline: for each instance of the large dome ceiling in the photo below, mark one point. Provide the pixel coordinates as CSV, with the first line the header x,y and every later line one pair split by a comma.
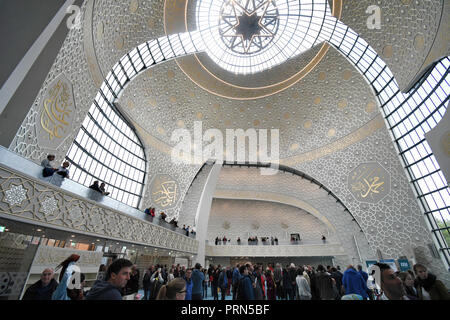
x,y
316,99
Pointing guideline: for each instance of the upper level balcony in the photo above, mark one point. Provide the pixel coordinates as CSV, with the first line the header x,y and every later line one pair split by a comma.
x,y
26,196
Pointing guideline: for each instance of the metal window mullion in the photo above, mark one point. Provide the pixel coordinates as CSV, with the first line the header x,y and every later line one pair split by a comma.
x,y
98,125
97,178
160,49
425,176
421,103
115,126
112,154
151,55
140,56
132,64
98,161
418,161
431,192
124,72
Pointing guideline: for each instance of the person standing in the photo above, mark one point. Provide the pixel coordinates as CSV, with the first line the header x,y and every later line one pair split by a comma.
x,y
324,284
408,284
261,282
354,283
427,285
157,280
245,289
189,284
205,284
215,283
223,282
278,278
198,278
117,276
288,292
304,290
147,284
229,279
174,290
235,280
132,286
337,276
391,285
42,289
271,288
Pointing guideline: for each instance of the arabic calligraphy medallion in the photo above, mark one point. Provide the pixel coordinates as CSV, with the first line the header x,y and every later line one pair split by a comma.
x,y
369,182
54,122
164,190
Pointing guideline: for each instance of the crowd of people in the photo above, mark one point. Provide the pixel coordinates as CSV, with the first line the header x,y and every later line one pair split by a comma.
x,y
120,281
254,241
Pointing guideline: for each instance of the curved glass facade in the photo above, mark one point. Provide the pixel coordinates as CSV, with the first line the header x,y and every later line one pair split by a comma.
x,y
409,116
107,149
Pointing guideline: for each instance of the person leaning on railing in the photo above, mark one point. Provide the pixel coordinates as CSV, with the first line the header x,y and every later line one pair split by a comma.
x,y
48,170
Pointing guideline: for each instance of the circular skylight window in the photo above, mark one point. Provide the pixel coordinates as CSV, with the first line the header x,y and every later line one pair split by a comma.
x,y
244,36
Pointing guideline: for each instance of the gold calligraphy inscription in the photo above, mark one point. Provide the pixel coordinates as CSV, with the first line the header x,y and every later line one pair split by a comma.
x,y
165,194
56,111
368,182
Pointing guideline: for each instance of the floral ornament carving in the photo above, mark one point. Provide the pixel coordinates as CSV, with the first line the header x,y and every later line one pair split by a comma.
x,y
16,195
49,205
113,227
95,223
76,216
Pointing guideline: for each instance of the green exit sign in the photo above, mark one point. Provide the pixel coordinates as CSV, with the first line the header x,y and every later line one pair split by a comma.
x,y
2,229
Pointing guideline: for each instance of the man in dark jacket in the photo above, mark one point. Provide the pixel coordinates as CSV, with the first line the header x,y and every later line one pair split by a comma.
x,y
117,276
132,286
223,282
197,278
43,289
278,278
229,280
146,283
288,291
324,284
235,280
257,291
337,276
245,287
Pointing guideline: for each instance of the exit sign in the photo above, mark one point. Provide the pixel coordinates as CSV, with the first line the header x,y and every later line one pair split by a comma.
x,y
2,229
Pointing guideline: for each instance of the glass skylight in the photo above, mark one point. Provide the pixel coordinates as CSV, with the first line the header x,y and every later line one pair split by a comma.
x,y
244,36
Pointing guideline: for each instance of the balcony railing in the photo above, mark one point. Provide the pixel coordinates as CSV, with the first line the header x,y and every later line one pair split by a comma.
x,y
33,170
26,197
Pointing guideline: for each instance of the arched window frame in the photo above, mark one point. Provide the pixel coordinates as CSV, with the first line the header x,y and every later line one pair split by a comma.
x,y
108,149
